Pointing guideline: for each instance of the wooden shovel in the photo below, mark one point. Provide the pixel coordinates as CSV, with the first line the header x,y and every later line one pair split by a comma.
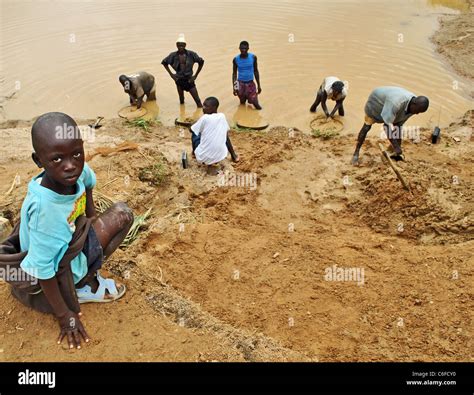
x,y
394,168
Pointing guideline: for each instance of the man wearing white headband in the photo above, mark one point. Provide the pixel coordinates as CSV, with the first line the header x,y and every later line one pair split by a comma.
x,y
182,62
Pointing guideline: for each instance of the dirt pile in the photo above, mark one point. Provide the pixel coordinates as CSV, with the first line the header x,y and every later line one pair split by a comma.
x,y
455,41
440,207
232,266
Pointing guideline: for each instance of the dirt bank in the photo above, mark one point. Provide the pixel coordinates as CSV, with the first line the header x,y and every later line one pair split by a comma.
x,y
455,41
225,272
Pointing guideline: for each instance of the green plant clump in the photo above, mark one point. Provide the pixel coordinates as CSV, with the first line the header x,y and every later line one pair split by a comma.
x,y
156,174
325,134
144,124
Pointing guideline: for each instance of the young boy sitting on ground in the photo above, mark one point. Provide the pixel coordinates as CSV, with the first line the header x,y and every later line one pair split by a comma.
x,y
56,199
210,139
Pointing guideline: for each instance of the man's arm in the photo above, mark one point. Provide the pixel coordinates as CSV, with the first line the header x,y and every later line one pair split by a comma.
x,y
234,77
201,65
167,67
132,95
389,114
324,97
257,74
393,136
139,93
336,107
230,148
140,101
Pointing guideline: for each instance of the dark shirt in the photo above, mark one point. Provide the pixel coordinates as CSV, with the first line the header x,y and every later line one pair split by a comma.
x,y
141,83
173,60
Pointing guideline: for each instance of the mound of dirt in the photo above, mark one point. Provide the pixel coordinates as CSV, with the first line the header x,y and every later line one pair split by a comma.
x,y
440,208
231,267
439,211
455,40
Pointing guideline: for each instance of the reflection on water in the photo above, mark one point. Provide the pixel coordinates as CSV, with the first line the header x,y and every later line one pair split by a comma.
x,y
248,116
188,114
153,111
73,64
461,5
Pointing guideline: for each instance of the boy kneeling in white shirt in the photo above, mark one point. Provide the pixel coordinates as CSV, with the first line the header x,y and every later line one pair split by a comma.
x,y
210,138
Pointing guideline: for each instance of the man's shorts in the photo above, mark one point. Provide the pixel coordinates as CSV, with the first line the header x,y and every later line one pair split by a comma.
x,y
152,90
93,251
369,121
185,85
247,91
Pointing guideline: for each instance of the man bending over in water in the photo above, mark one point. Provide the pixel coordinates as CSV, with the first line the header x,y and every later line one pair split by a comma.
x,y
333,89
137,86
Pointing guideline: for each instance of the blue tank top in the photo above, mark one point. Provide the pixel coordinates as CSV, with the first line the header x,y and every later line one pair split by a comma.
x,y
245,67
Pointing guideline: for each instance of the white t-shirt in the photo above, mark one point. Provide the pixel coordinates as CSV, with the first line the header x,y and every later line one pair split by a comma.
x,y
327,86
213,130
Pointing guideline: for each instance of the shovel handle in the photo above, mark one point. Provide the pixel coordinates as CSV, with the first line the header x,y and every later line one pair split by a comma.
x,y
397,172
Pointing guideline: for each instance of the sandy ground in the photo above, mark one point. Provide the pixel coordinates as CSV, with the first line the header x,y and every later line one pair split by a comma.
x,y
455,41
243,278
226,273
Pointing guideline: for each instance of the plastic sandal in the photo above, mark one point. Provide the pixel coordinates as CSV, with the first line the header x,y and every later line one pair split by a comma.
x,y
85,294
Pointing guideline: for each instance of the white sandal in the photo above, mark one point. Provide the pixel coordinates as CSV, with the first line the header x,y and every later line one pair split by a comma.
x,y
106,292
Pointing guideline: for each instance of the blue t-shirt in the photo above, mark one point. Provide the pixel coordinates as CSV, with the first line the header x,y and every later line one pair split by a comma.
x,y
47,225
245,67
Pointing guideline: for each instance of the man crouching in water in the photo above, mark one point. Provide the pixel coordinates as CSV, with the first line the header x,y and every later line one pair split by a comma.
x,y
137,86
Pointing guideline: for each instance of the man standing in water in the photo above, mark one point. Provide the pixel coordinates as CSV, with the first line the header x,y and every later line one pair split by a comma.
x,y
392,106
246,66
182,62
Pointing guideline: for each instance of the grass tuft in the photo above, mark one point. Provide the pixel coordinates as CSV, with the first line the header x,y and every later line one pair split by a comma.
x,y
325,134
156,173
141,123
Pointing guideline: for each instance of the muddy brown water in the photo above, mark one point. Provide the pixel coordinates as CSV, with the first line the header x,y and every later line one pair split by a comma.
x,y
67,55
